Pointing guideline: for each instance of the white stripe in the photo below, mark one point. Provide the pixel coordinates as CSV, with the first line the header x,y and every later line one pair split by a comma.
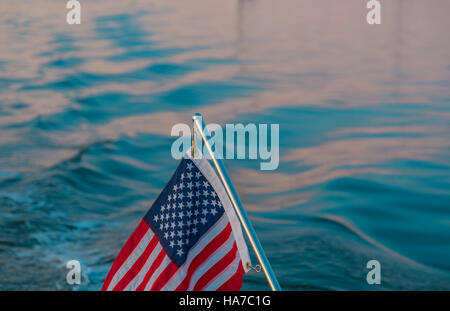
x,y
140,276
224,276
211,261
179,276
209,173
164,263
134,255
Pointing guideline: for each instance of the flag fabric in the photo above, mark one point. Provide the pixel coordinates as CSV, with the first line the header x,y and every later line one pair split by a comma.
x,y
190,239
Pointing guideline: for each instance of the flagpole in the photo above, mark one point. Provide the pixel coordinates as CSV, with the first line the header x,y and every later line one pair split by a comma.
x,y
237,204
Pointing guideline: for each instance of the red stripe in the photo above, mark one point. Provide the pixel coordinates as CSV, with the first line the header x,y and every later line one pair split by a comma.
x,y
218,268
204,255
152,269
165,276
125,252
235,282
137,266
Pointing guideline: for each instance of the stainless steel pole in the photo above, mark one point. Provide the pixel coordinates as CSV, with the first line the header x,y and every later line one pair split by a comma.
x,y
237,204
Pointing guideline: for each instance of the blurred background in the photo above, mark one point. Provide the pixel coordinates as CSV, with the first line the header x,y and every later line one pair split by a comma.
x,y
86,112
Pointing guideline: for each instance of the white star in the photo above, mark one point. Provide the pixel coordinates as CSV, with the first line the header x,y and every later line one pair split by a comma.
x,y
205,193
189,213
203,220
194,230
189,185
172,234
205,184
198,194
172,225
173,216
156,218
169,197
175,187
182,176
163,208
205,212
180,224
189,166
180,205
166,235
180,196
181,186
188,223
181,214
205,202
186,241
198,175
196,213
171,244
197,184
195,222
213,211
167,216
180,252
180,243
213,193
166,226
189,175
180,234
213,202
190,195
161,227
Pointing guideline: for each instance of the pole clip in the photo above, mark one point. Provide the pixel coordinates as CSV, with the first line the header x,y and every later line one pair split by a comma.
x,y
257,268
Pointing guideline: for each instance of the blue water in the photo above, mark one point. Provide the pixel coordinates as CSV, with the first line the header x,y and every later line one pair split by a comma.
x,y
364,114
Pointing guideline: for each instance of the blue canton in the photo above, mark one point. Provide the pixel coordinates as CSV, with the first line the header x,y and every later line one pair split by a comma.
x,y
186,208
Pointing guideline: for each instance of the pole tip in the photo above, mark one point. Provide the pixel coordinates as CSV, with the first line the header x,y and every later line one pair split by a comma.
x,y
196,116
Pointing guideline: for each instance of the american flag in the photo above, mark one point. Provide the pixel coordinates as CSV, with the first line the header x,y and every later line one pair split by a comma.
x,y
190,239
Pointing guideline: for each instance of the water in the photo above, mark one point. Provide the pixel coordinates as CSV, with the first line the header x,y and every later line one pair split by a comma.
x,y
86,113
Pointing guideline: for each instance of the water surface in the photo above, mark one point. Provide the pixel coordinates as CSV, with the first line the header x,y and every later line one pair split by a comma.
x,y
86,113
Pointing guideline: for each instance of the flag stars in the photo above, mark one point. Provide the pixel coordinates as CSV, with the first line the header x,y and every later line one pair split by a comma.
x,y
180,252
185,214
